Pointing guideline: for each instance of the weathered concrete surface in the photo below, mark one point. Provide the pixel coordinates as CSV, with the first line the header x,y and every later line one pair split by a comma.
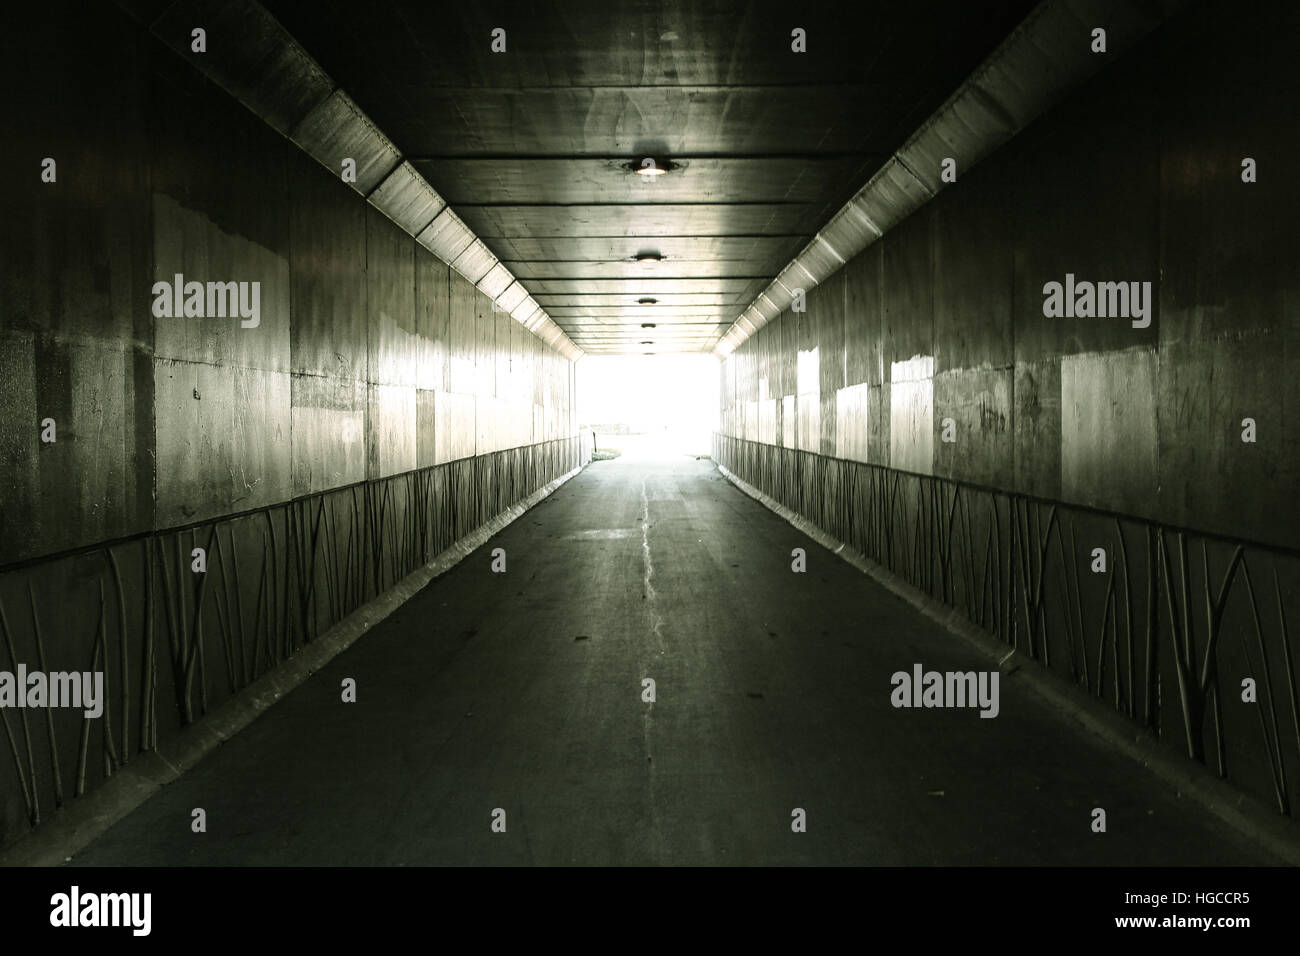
x,y
1137,176
772,692
166,420
162,421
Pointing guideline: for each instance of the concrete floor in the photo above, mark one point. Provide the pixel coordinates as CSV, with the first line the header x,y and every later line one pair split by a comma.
x,y
523,691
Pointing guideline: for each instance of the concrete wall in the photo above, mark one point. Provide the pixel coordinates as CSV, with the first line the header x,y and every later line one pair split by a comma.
x,y
1137,177
378,411
1078,433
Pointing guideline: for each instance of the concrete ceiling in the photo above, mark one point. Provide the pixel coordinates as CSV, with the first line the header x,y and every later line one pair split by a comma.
x,y
533,147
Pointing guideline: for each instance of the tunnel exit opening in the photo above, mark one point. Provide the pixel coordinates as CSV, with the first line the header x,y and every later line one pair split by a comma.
x,y
648,407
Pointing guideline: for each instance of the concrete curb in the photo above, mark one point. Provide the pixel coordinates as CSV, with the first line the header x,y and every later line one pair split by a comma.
x,y
77,824
1241,811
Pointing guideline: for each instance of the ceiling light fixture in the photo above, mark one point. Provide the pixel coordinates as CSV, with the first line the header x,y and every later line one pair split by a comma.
x,y
646,301
650,167
648,325
648,258
647,343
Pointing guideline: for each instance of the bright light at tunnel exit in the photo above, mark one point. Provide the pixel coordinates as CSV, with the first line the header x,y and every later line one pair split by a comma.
x,y
649,406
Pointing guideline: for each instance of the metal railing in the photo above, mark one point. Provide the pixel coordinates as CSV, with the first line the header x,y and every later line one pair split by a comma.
x,y
173,643
1122,606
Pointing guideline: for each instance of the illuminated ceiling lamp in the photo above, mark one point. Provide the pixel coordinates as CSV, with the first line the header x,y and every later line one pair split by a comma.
x,y
651,167
648,258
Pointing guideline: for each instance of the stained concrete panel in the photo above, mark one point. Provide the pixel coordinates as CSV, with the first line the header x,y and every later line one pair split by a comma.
x,y
852,422
485,346
328,260
488,418
750,429
747,374
808,403
767,420
328,427
432,315
973,292
1036,426
392,334
826,305
979,403
878,414
223,439
524,368
1088,206
808,409
1108,429
189,244
862,317
20,444
93,438
808,371
210,155
83,484
461,335
539,422
1207,471
454,429
765,353
500,353
908,289
390,430
911,415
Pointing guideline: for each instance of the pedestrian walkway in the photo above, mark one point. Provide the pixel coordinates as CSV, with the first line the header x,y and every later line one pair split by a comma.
x,y
524,692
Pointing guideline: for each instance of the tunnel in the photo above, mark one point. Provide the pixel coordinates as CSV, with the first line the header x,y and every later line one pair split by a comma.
x,y
726,433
